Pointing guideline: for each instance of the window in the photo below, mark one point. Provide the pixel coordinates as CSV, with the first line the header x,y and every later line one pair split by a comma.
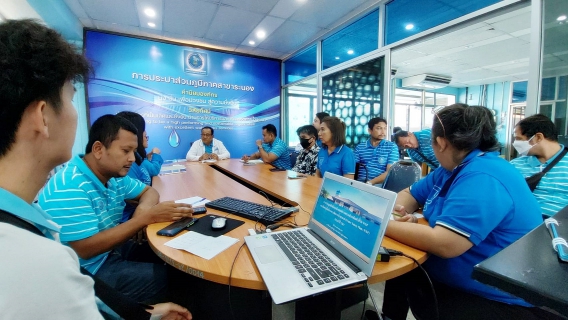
x,y
414,109
358,38
302,105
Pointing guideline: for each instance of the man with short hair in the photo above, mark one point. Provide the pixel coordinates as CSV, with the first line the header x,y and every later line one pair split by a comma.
x,y
418,145
307,160
271,149
87,198
377,154
39,277
207,148
536,141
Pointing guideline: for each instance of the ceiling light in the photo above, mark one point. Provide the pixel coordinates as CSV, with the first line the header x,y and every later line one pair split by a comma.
x,y
252,43
151,24
350,51
336,58
150,12
261,34
561,18
409,26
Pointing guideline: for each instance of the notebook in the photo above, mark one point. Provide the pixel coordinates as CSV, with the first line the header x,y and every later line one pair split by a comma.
x,y
558,233
295,175
346,228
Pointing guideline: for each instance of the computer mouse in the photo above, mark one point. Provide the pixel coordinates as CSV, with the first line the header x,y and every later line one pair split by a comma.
x,y
218,223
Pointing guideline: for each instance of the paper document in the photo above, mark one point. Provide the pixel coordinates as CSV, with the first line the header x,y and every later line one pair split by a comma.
x,y
194,201
175,168
208,161
200,245
255,161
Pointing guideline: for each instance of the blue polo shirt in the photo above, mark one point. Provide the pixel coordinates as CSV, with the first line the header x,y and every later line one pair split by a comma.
x,y
32,213
376,158
552,190
424,138
490,204
341,161
79,202
280,149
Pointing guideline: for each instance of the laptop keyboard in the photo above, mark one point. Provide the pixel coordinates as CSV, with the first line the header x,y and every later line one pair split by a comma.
x,y
315,267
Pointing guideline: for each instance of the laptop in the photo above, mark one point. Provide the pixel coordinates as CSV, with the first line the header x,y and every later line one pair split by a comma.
x,y
338,248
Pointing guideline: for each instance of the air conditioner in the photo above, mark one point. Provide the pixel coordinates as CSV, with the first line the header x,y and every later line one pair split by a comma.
x,y
426,81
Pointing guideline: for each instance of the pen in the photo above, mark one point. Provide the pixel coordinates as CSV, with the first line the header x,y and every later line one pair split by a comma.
x,y
398,215
198,201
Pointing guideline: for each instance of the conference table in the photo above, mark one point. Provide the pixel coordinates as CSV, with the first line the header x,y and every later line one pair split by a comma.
x,y
255,183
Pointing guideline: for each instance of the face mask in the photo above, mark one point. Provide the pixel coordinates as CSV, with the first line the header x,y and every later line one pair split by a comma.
x,y
305,143
523,147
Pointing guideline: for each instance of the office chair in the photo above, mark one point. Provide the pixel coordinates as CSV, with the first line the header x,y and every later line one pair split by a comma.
x,y
293,158
402,174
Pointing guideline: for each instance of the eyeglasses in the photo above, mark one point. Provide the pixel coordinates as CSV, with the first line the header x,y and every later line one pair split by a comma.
x,y
147,137
206,134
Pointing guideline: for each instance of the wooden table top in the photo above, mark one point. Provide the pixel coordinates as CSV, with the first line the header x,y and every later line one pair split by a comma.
x,y
225,180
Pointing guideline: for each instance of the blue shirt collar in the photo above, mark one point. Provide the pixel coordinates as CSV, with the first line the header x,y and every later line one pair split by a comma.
x,y
83,167
534,162
369,145
32,213
337,149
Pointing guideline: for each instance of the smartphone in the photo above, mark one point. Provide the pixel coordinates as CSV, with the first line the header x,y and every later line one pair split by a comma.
x,y
276,169
199,210
176,227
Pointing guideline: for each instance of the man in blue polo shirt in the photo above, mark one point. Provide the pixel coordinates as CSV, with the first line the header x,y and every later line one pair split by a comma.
x,y
87,198
536,140
377,154
418,145
271,149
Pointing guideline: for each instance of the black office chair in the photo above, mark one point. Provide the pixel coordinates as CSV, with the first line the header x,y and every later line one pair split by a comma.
x,y
293,158
402,174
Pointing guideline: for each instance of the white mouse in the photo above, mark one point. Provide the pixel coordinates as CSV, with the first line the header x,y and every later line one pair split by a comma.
x,y
218,223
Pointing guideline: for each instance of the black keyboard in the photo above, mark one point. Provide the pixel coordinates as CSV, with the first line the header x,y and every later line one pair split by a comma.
x,y
257,212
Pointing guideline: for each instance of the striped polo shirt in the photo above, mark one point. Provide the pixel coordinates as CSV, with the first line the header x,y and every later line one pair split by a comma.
x,y
424,138
78,202
376,158
552,190
279,148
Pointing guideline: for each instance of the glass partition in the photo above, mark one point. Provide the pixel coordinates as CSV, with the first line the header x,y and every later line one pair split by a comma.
x,y
301,65
358,38
405,18
355,96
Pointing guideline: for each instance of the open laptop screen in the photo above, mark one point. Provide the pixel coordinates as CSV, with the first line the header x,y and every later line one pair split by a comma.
x,y
352,216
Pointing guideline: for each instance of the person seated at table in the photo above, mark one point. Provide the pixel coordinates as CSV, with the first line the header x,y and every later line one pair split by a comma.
x,y
308,158
536,141
418,145
207,148
377,154
87,199
334,156
475,204
146,166
39,277
271,149
316,123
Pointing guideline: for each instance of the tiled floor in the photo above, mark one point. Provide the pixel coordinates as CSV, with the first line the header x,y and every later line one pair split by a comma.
x,y
286,312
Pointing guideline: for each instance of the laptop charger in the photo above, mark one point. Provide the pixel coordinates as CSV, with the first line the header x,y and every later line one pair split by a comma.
x,y
383,255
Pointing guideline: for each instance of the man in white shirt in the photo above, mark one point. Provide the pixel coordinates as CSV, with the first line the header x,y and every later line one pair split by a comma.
x,y
39,277
207,148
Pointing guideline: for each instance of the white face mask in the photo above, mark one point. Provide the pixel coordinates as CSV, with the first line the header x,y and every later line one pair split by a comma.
x,y
523,147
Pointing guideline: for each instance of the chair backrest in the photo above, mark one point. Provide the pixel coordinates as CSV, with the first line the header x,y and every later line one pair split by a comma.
x,y
402,174
293,158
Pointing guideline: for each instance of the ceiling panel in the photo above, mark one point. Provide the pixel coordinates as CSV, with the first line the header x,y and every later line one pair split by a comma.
x,y
281,40
119,12
197,26
324,12
232,25
263,7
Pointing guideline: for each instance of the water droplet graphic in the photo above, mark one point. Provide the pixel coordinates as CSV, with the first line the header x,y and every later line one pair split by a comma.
x,y
174,139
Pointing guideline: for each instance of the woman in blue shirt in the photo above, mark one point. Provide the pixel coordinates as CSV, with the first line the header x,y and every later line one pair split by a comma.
x,y
147,165
334,156
476,204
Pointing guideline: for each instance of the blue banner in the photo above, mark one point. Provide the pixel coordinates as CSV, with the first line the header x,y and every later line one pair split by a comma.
x,y
180,89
